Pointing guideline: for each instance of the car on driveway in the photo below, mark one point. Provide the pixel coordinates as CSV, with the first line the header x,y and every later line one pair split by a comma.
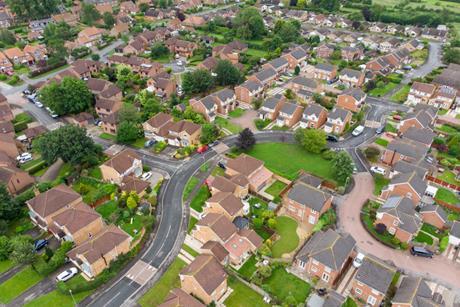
x,y
358,130
332,138
67,274
23,156
358,260
378,170
380,129
39,244
421,252
146,176
149,143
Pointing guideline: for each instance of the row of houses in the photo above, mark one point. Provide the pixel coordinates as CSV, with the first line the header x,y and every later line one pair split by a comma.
x,y
439,96
29,55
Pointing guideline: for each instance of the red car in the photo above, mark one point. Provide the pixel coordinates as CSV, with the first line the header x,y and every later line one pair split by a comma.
x,y
397,117
202,149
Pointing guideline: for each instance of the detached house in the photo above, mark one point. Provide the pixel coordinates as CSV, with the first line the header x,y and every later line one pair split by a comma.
x,y
220,102
337,121
214,227
409,185
351,99
18,57
326,256
237,185
230,51
325,51
181,47
280,65
266,77
400,218
249,91
105,107
420,93
15,179
413,292
251,168
179,298
125,163
351,54
206,106
325,71
303,86
444,97
403,150
434,215
421,118
289,114
314,116
297,57
351,77
225,203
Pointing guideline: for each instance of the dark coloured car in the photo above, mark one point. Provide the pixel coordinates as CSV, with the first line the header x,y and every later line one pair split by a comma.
x,y
222,165
380,129
39,244
332,138
149,143
421,252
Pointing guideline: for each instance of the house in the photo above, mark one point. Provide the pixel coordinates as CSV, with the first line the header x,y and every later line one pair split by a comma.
x,y
249,91
326,255
181,134
37,52
271,107
230,51
306,203
217,250
82,119
378,27
225,203
372,281
6,20
302,84
337,121
110,123
45,206
226,100
421,118
90,37
119,29
351,54
163,85
314,116
67,17
444,97
15,179
324,71
194,21
18,57
412,292
351,77
77,224
5,112
408,185
280,65
209,63
106,107
289,114
454,234
450,76
297,57
388,45
424,136
238,185
5,65
7,127
214,227
325,51
181,47
403,149
434,215
128,7
125,163
241,245
155,124
204,278
131,183
179,298
413,45
352,99
251,168
420,93
8,146
266,77
96,253
400,218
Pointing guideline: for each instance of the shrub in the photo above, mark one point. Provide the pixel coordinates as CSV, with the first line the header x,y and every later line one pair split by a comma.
x,y
328,154
371,153
380,228
56,260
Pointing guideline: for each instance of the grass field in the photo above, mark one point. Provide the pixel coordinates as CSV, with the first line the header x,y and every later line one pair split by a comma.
x,y
276,188
190,250
379,182
423,237
56,298
283,284
226,124
381,142
107,209
242,295
298,159
17,284
191,184
447,196
157,294
382,91
191,224
401,95
5,265
238,112
248,268
286,228
449,177
200,198
107,136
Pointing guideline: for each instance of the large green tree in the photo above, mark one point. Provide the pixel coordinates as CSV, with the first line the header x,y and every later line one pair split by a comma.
x,y
249,24
89,15
198,81
33,9
209,133
70,143
9,208
71,96
109,20
5,248
343,166
288,31
227,73
246,140
22,250
7,37
312,140
128,131
328,5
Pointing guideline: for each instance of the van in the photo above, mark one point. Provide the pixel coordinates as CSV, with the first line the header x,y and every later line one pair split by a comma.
x,y
420,251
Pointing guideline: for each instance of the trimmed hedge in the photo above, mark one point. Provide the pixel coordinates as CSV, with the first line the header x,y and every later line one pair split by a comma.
x,y
46,69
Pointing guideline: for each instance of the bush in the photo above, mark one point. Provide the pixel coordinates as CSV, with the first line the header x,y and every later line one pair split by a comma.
x,y
371,153
20,126
55,261
3,77
46,69
328,154
146,168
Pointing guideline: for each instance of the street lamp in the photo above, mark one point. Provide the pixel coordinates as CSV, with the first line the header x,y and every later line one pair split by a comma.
x,y
73,299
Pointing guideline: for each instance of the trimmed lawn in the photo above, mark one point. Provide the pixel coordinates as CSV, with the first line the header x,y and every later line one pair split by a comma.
x,y
157,294
218,171
256,52
107,209
389,127
298,159
226,124
381,91
449,177
430,229
191,184
423,237
382,142
17,284
242,295
134,228
238,112
248,268
191,224
33,165
139,143
380,182
200,198
446,195
349,303
401,95
190,250
276,188
286,228
56,298
108,136
5,265
95,172
283,284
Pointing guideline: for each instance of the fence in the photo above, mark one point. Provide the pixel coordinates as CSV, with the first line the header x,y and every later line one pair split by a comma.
x,y
443,183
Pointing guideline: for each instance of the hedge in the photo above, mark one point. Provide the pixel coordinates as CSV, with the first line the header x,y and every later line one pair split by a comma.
x,y
20,126
46,69
37,167
56,261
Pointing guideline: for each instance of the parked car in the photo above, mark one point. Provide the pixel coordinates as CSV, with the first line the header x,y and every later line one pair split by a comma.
x,y
215,143
23,155
25,159
39,244
358,261
67,274
222,165
420,251
378,170
358,130
149,143
38,104
332,138
203,149
146,176
380,129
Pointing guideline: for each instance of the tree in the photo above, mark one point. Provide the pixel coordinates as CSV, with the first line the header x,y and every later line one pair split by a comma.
x,y
209,133
356,25
9,208
109,20
328,5
128,132
288,31
451,55
128,113
5,248
89,15
71,96
297,70
198,81
264,271
70,143
33,9
60,30
22,250
289,94
343,166
249,24
227,73
272,223
131,203
312,140
246,140
158,50
143,7
7,37
95,57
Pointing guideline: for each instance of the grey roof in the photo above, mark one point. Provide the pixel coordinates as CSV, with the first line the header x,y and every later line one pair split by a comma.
x,y
356,93
425,135
225,94
415,292
208,102
435,208
408,148
308,196
339,113
325,66
251,85
310,180
455,229
328,248
405,167
278,62
271,102
265,74
413,179
307,82
403,209
334,299
352,73
376,275
289,108
298,53
314,109
421,116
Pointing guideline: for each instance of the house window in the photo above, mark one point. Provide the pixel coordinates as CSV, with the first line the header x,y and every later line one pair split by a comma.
x,y
358,291
301,264
325,277
371,300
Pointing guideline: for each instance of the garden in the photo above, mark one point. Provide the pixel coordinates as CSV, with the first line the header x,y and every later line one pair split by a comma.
x,y
243,295
286,229
200,198
447,196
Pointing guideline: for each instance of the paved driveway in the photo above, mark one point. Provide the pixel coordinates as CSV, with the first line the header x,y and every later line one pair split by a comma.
x,y
439,269
246,120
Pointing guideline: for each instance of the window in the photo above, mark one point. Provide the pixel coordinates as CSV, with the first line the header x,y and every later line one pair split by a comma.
x,y
301,264
358,291
325,277
314,269
371,300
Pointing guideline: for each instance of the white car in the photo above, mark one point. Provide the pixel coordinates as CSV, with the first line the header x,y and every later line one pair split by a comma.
x,y
358,261
378,170
146,176
358,130
39,104
25,159
23,156
67,274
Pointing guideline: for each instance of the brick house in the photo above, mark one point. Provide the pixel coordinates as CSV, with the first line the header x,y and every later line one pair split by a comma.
x,y
271,107
403,150
314,116
280,65
230,51
6,115
454,234
420,93
110,123
181,47
106,107
241,245
352,99
337,121
266,77
163,85
302,84
306,203
351,54
125,163
5,65
178,297
400,218
326,255
289,114
412,292
217,250
180,134
8,146
90,37
434,215
204,278
325,72
409,185
351,77
421,118
18,57
249,91
214,227
372,281
325,51
297,57
37,52
15,179
253,169
237,185
206,106
444,97
225,203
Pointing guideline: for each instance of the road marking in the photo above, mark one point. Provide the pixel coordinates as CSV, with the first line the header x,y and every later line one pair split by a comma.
x,y
114,297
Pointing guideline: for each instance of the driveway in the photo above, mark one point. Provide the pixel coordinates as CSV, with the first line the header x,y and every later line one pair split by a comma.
x,y
246,120
438,269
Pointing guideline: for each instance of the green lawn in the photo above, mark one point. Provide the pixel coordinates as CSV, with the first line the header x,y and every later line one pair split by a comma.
x,y
226,124
248,268
139,143
282,284
382,142
157,294
134,228
218,171
449,177
17,284
390,128
238,112
380,182
191,224
401,95
276,188
448,129
256,52
33,165
200,198
432,230
56,298
5,265
242,295
107,209
286,228
297,160
349,303
423,237
191,184
95,172
22,117
107,136
381,91
448,196
190,250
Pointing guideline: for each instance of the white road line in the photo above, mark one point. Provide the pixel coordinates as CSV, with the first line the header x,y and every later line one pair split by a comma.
x,y
114,297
